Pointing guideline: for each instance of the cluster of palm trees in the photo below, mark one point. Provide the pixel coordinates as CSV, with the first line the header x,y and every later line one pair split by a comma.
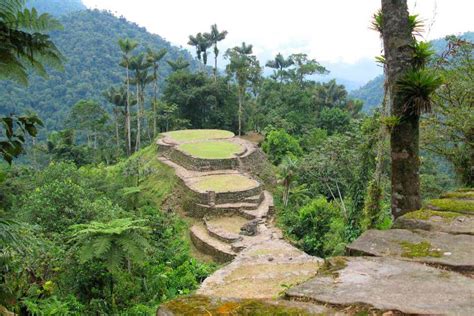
x,y
204,41
141,70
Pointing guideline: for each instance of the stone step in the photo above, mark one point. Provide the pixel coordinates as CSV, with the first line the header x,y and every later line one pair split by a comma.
x,y
264,209
207,244
388,284
255,198
226,229
455,252
230,207
448,222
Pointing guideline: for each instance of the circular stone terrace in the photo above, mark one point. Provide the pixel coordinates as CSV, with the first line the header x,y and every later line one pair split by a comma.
x,y
192,135
212,149
206,149
223,183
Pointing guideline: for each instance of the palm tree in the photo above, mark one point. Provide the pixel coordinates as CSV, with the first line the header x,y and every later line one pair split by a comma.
x,y
202,44
140,65
178,64
154,57
213,37
245,68
127,46
287,170
117,97
279,64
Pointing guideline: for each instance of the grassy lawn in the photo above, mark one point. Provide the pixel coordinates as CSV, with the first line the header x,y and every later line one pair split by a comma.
x,y
188,135
211,149
224,183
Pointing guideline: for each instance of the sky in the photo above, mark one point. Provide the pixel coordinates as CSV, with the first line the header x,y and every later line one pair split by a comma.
x,y
332,31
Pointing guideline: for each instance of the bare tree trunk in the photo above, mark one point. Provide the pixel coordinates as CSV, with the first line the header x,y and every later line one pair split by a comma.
x,y
240,111
137,142
215,61
117,137
397,40
155,99
127,118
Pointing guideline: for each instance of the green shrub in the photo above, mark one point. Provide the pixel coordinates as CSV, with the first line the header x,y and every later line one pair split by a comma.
x,y
317,227
279,144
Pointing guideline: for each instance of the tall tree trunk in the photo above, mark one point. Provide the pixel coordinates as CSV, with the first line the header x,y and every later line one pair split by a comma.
x,y
117,137
155,97
127,117
137,142
240,111
397,40
215,61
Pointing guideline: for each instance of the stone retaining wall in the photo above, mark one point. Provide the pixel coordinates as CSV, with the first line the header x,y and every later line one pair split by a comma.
x,y
200,164
250,161
209,250
226,197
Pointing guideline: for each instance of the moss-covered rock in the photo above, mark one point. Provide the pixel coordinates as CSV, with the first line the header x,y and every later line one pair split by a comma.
x,y
460,194
452,205
425,214
421,249
442,221
203,305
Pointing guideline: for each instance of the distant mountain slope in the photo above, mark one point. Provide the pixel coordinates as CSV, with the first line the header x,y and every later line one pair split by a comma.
x,y
56,7
89,42
372,92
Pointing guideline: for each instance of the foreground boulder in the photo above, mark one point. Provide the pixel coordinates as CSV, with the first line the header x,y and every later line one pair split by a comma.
x,y
388,284
443,221
455,252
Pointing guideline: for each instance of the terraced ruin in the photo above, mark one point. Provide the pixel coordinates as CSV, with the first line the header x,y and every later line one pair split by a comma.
x,y
233,209
424,265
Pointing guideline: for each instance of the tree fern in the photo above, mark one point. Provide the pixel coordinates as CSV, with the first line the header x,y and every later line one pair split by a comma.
x,y
112,242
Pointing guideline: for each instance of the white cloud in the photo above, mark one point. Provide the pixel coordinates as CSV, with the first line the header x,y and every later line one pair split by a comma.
x,y
335,30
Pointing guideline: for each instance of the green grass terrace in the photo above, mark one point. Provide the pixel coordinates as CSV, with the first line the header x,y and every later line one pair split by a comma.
x,y
211,149
224,183
190,135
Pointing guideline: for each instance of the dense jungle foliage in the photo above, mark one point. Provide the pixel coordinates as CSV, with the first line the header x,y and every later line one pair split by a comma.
x,y
89,224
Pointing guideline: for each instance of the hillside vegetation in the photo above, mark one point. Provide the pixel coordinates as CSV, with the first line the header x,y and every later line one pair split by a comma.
x,y
89,43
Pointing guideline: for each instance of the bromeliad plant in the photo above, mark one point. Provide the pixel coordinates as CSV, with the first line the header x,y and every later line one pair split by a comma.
x,y
416,88
417,85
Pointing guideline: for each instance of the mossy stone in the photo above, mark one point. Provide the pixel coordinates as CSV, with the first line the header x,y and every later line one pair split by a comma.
x,y
452,205
421,249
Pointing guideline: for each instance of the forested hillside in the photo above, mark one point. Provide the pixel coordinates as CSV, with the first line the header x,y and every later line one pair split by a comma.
x,y
372,92
89,44
57,7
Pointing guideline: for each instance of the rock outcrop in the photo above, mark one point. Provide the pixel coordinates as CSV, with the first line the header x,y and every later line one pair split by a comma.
x,y
423,266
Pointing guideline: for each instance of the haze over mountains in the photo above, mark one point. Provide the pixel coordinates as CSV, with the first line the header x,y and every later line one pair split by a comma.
x,y
89,42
